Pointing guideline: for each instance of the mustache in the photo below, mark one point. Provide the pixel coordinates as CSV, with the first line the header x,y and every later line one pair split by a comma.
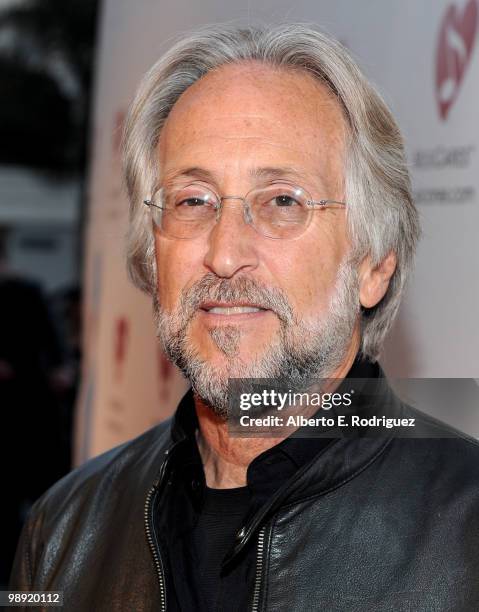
x,y
243,288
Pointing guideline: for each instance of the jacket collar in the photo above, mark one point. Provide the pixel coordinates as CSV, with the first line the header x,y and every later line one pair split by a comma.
x,y
338,462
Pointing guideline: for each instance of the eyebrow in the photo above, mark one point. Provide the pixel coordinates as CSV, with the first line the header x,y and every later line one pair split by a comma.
x,y
265,172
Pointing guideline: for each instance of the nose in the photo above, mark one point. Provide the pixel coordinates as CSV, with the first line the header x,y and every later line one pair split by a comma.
x,y
232,241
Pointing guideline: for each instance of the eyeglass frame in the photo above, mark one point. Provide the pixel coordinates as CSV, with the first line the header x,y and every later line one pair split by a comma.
x,y
218,205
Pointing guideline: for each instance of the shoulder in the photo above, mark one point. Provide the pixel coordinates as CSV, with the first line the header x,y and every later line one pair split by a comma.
x,y
66,516
132,463
429,427
437,454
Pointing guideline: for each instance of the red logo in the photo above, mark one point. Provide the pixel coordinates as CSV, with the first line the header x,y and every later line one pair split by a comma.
x,y
455,44
120,340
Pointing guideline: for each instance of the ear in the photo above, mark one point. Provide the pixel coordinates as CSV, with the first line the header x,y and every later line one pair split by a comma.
x,y
374,281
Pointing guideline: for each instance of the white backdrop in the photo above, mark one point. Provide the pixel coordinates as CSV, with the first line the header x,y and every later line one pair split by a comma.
x,y
423,57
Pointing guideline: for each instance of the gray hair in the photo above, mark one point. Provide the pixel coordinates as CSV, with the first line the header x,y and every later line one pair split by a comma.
x,y
381,213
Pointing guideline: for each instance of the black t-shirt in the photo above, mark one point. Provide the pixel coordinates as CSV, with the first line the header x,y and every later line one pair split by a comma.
x,y
222,515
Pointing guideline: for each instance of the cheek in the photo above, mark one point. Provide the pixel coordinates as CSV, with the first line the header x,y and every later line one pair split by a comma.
x,y
307,270
307,284
176,263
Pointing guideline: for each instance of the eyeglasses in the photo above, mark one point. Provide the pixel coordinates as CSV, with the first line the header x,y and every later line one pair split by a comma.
x,y
278,211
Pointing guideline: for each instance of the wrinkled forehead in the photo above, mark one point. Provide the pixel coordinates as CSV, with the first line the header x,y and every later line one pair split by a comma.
x,y
252,113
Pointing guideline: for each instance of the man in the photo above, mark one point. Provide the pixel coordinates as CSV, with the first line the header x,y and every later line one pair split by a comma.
x,y
276,240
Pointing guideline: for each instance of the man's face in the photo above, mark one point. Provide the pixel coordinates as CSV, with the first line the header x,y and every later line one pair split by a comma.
x,y
234,121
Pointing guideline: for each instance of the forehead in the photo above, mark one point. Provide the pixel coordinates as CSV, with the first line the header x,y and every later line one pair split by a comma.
x,y
251,114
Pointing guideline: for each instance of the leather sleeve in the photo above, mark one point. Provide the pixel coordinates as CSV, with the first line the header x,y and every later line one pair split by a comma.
x,y
23,569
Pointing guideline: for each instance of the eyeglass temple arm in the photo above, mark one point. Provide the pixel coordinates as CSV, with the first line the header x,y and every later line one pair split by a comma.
x,y
323,203
150,203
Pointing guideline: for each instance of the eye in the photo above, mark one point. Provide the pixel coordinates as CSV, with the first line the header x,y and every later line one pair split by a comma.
x,y
192,201
285,201
191,196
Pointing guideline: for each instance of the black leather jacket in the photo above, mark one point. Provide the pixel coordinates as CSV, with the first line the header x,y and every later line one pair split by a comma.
x,y
372,524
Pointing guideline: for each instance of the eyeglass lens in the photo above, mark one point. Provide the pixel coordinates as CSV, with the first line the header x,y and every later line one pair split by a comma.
x,y
276,211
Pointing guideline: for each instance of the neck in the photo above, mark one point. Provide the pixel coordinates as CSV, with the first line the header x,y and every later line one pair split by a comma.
x,y
225,458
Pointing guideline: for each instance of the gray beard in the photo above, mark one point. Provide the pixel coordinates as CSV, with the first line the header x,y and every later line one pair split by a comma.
x,y
301,352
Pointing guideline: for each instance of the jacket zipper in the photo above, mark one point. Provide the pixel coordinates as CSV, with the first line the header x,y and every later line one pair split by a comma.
x,y
259,570
155,551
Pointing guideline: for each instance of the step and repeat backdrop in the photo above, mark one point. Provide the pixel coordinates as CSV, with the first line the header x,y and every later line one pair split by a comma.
x,y
423,57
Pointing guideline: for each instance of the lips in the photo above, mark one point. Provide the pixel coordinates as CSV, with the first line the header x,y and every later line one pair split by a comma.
x,y
231,308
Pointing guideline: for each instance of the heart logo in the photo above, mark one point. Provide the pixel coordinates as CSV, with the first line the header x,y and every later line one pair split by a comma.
x,y
455,44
